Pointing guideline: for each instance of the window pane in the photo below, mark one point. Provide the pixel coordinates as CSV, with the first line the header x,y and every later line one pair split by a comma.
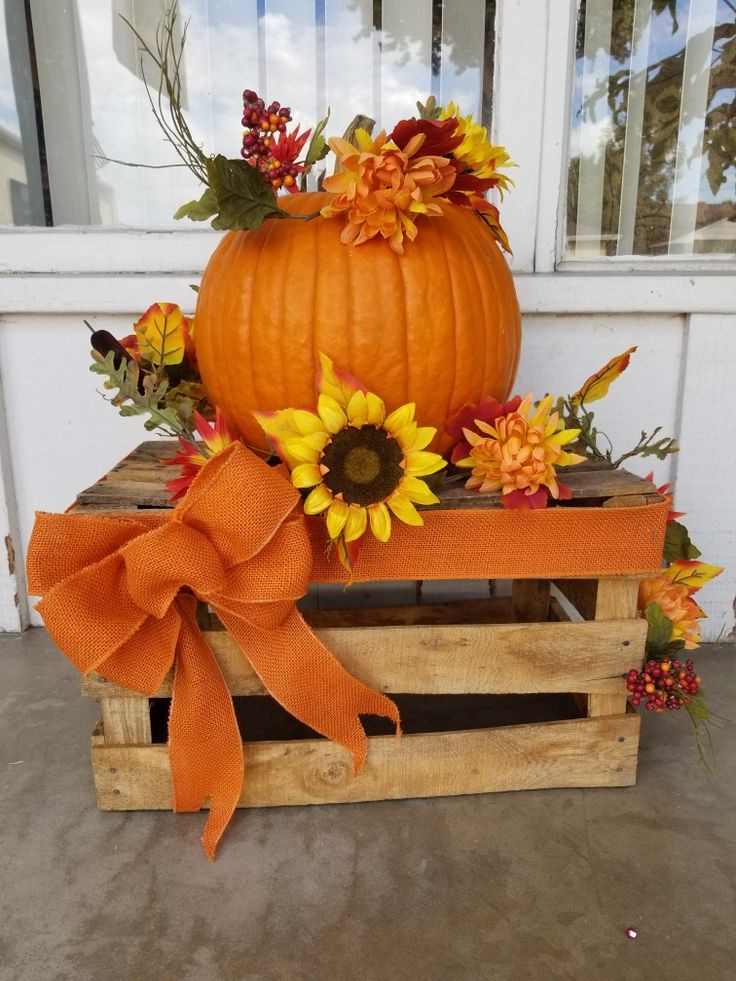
x,y
653,143
351,55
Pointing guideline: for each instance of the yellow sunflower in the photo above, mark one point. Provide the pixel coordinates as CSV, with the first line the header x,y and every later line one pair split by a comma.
x,y
359,464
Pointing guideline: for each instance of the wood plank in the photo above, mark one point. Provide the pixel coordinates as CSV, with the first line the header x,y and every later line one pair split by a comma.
x,y
126,720
455,658
578,753
139,481
615,599
530,600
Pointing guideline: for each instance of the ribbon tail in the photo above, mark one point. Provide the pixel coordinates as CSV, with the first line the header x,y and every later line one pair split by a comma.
x,y
205,746
309,682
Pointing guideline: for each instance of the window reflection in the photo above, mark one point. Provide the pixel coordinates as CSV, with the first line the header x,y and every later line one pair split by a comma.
x,y
653,142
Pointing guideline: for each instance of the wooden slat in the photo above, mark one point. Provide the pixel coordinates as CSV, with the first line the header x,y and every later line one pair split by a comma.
x,y
578,753
455,659
615,598
126,720
139,481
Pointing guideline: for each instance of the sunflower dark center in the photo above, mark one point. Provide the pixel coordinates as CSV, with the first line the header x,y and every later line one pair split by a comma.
x,y
364,464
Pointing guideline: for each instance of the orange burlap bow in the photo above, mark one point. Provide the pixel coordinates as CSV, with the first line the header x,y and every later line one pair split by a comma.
x,y
117,598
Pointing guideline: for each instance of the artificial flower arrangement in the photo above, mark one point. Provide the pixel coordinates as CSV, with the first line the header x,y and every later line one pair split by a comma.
x,y
361,464
364,447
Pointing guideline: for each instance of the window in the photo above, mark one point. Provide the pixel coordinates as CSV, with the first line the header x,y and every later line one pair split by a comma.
x,y
652,167
72,98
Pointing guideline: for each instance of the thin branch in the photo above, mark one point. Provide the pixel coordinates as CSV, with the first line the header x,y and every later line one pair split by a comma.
x,y
129,163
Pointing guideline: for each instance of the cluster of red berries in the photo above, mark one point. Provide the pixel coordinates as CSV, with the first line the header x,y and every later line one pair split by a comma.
x,y
263,124
663,684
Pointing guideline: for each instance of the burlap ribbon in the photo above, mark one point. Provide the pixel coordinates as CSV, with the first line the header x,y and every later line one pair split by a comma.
x,y
119,597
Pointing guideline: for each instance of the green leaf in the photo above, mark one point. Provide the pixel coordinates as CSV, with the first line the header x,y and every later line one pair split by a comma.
x,y
201,209
244,198
430,109
661,448
659,634
677,544
193,286
153,401
318,146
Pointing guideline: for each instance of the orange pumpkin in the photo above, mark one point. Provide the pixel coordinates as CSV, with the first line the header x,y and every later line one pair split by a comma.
x,y
439,325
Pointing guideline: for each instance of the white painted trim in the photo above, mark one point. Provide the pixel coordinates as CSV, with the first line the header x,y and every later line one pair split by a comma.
x,y
89,250
706,440
654,264
518,111
538,293
123,251
552,190
13,597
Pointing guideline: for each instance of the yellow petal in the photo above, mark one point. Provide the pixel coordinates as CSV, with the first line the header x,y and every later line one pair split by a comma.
x,y
421,463
404,509
331,414
318,500
563,437
418,491
569,459
278,425
406,435
467,461
337,384
306,475
380,521
307,449
376,409
357,410
306,422
356,524
424,436
337,517
399,418
542,411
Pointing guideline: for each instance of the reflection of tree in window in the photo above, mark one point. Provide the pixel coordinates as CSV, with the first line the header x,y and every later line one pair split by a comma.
x,y
662,123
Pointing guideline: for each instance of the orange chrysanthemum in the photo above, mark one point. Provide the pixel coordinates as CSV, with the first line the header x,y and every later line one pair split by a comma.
x,y
518,455
677,605
380,188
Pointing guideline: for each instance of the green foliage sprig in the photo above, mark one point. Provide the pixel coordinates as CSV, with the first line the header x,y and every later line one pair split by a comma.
x,y
577,416
170,408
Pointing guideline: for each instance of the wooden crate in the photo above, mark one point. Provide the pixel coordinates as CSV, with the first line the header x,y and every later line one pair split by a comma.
x,y
508,692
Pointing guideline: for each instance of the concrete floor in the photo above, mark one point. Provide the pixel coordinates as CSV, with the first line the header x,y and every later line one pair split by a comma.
x,y
508,887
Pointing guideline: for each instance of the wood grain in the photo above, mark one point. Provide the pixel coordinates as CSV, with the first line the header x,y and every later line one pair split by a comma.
x,y
454,659
139,481
126,719
615,599
578,753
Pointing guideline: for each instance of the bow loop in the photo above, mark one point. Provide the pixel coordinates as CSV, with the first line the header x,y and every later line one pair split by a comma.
x,y
168,559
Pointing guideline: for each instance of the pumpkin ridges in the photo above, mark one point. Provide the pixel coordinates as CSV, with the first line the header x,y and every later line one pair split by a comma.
x,y
388,320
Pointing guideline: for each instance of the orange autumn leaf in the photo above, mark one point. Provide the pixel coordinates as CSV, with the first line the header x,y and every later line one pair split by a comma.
x,y
596,387
162,334
691,573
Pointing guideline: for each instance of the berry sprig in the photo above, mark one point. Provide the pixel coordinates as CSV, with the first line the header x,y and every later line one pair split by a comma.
x,y
665,685
261,137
